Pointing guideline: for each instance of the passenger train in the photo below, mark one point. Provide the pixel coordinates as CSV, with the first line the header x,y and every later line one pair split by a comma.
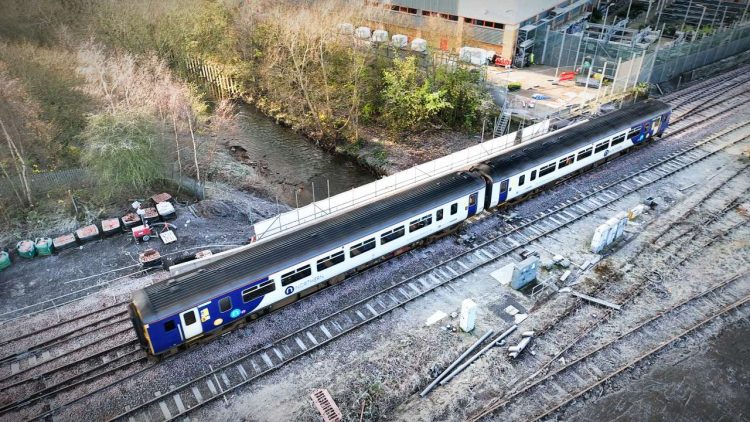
x,y
209,300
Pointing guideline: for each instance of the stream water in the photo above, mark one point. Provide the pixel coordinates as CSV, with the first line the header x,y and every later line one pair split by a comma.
x,y
294,163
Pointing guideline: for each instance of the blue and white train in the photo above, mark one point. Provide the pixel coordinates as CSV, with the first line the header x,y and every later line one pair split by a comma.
x,y
211,299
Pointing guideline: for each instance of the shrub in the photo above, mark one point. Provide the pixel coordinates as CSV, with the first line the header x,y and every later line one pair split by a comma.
x,y
124,151
409,100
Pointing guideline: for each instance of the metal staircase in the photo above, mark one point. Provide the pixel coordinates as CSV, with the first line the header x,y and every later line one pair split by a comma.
x,y
502,122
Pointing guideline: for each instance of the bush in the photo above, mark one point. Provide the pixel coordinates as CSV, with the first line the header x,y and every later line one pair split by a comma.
x,y
464,91
409,100
124,151
514,86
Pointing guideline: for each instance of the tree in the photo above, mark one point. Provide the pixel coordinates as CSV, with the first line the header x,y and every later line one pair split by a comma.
x,y
464,91
124,151
25,136
410,103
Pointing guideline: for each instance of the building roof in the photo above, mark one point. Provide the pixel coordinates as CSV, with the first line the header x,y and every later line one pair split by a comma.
x,y
505,11
183,292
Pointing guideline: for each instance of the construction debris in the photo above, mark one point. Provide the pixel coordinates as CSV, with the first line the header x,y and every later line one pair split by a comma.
x,y
111,226
150,258
455,362
87,233
471,360
590,298
514,351
64,241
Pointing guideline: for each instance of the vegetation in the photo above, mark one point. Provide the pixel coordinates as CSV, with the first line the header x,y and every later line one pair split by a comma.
x,y
123,150
105,84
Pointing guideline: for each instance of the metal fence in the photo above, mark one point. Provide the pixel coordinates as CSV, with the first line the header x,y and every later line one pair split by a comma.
x,y
657,64
43,183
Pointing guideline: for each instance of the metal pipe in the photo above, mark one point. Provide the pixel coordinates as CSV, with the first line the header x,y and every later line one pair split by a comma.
x,y
453,365
682,28
478,354
700,21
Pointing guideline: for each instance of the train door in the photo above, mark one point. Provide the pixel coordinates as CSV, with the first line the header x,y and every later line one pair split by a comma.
x,y
473,198
503,191
191,326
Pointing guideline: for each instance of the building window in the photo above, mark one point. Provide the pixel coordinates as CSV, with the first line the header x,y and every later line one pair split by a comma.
x,y
545,170
391,235
439,15
487,24
295,275
403,9
361,247
258,290
585,153
419,223
330,261
225,304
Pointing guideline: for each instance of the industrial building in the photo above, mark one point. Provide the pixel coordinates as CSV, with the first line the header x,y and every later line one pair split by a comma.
x,y
497,26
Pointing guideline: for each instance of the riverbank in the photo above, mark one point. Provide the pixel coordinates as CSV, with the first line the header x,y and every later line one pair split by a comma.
x,y
376,150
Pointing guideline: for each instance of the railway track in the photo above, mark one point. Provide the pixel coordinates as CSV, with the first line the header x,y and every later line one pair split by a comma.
x,y
220,381
567,323
588,369
474,259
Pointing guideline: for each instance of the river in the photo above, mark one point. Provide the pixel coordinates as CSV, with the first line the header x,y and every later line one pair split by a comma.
x,y
294,162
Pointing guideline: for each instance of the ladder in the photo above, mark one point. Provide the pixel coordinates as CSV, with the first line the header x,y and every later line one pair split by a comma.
x,y
502,122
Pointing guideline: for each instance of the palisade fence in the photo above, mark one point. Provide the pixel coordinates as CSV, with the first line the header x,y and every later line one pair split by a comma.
x,y
77,178
655,65
221,85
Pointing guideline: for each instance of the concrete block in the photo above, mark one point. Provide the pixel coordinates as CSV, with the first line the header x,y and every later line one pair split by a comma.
x,y
525,272
599,240
468,317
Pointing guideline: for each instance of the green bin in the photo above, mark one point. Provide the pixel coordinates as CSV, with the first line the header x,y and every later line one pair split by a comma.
x,y
43,246
4,260
26,249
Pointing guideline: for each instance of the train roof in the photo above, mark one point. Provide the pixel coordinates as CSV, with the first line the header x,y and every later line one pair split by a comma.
x,y
559,143
171,296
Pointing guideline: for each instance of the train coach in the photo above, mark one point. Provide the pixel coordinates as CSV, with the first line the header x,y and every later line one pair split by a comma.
x,y
278,271
211,299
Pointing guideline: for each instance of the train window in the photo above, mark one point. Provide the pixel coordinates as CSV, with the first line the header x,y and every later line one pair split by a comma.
x,y
258,290
601,146
454,209
634,132
545,170
585,153
521,179
189,318
330,261
225,304
362,247
295,275
417,224
618,140
391,235
533,175
564,162
170,325
439,215
472,199
657,124
504,186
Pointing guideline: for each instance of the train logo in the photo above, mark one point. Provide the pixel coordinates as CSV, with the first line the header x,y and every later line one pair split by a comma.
x,y
289,290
